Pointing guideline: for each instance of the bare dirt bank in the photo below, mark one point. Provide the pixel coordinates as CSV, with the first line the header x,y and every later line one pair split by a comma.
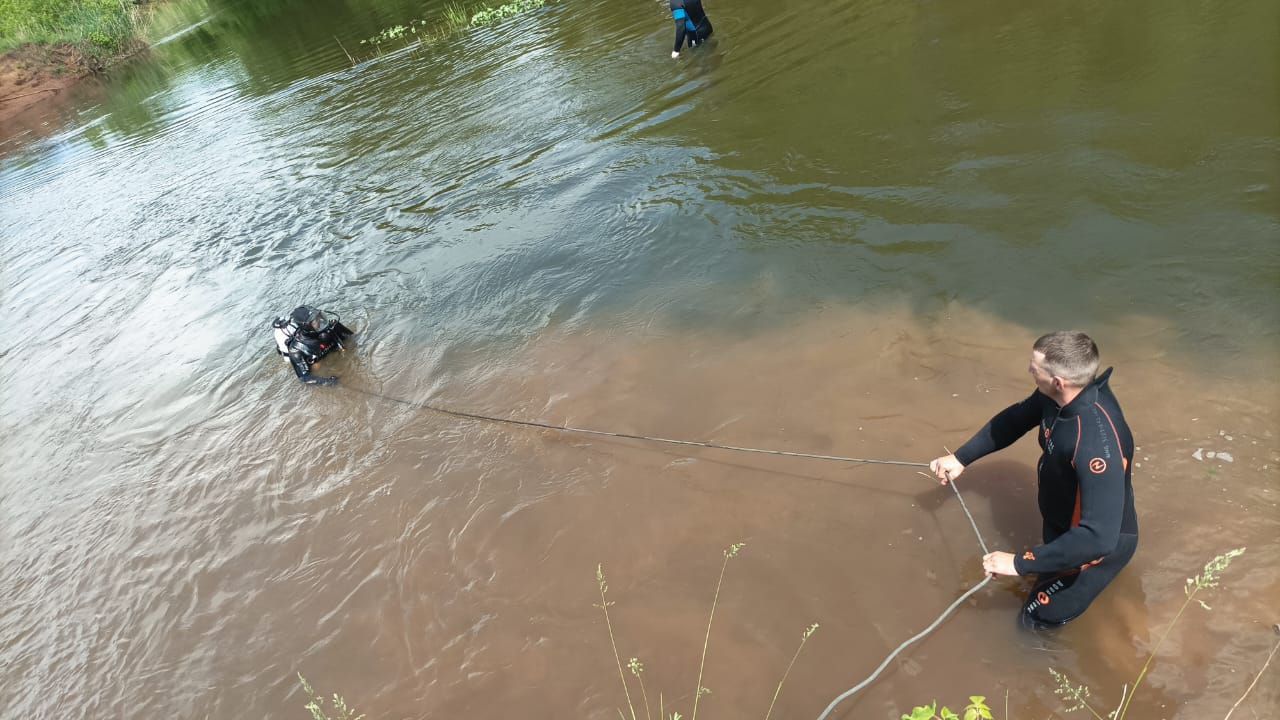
x,y
33,74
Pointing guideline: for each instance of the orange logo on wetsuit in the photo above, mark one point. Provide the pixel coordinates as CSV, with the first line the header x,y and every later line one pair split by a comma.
x,y
1097,466
1042,598
1028,555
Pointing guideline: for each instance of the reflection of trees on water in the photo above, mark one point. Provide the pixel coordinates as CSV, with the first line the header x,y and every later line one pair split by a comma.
x,y
263,45
1121,149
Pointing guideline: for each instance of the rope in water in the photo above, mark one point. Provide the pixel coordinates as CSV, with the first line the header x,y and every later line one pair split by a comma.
x,y
629,436
871,678
838,458
934,626
972,524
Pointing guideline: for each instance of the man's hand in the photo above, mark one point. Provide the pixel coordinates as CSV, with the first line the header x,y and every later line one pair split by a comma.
x,y
946,468
674,54
999,563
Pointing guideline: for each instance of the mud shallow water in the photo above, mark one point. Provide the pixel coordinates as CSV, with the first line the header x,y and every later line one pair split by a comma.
x,y
839,247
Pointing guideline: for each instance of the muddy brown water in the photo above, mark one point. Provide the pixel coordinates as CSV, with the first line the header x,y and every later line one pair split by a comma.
x,y
836,230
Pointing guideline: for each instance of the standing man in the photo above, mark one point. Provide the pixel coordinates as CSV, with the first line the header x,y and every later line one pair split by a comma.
x,y
1090,529
691,23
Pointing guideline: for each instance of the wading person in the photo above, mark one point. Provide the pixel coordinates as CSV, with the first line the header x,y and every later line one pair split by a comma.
x,y
1090,530
306,335
692,23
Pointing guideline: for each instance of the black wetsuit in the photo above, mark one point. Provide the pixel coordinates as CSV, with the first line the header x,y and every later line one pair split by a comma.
x,y
304,349
691,22
1086,496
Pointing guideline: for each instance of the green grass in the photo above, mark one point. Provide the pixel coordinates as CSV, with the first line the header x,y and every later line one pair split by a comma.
x,y
98,28
456,15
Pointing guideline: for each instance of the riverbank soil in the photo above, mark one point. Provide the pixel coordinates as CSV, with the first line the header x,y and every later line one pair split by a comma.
x,y
32,74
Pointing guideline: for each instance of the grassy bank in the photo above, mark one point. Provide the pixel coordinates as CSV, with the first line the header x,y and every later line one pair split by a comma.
x,y
97,30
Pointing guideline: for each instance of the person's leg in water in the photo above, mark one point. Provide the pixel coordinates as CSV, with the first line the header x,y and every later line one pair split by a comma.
x,y
1057,600
704,30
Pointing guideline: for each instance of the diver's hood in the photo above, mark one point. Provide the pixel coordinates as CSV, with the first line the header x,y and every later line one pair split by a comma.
x,y
311,321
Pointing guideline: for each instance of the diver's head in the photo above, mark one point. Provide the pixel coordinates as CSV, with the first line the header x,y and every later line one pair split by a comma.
x,y
310,321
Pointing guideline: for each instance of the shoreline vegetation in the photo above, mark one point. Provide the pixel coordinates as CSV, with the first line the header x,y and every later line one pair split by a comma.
x,y
99,30
47,45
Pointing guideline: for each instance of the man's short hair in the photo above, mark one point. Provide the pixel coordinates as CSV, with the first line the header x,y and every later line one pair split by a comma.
x,y
1069,354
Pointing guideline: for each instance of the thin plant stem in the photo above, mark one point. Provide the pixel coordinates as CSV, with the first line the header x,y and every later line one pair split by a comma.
x,y
1255,681
604,607
1006,704
638,671
803,639
645,693
344,51
1124,707
697,692
1124,692
1205,579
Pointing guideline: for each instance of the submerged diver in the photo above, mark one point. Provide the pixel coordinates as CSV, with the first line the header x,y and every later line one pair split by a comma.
x,y
691,22
1090,530
306,335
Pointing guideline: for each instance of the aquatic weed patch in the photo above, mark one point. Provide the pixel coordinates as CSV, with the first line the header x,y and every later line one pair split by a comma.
x,y
492,15
396,32
455,17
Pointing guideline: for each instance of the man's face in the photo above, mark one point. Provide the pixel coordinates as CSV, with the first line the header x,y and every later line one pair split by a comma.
x,y
1044,380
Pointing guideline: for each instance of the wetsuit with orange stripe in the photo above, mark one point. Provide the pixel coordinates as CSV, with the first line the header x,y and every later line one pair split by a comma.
x,y
1085,473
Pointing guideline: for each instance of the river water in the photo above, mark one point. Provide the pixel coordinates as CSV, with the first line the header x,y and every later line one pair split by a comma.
x,y
837,229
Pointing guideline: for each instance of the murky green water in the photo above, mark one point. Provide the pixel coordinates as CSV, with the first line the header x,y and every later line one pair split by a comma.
x,y
551,217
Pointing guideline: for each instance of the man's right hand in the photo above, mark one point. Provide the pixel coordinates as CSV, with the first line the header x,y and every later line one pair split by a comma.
x,y
946,468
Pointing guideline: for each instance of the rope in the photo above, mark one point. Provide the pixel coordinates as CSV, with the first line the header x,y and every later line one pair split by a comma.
x,y
844,695
838,458
629,436
934,626
972,524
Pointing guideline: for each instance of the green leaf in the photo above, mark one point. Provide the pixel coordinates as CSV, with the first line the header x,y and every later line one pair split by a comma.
x,y
985,713
979,700
948,715
971,713
924,712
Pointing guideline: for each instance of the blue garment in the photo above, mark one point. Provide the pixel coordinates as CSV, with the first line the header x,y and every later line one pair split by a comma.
x,y
691,22
679,14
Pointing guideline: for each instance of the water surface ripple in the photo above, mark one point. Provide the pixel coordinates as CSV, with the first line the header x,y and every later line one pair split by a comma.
x,y
834,230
